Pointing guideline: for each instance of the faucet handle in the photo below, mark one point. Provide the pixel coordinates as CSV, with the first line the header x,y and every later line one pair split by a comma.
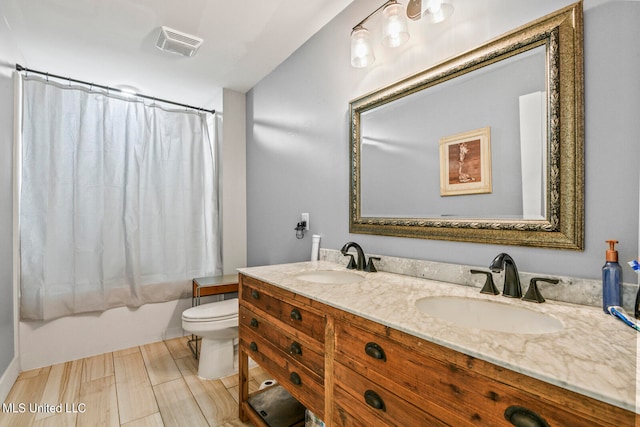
x,y
370,267
352,262
489,287
533,293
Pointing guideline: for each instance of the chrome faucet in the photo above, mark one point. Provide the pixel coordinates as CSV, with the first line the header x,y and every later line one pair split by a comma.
x,y
512,286
361,261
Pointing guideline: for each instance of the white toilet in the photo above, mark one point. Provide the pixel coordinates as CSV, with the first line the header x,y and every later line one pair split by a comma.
x,y
217,324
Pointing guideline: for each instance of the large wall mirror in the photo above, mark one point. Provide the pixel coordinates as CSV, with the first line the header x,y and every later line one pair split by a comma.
x,y
485,147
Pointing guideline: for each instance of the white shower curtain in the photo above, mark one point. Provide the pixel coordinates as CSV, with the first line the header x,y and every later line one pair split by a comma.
x,y
119,201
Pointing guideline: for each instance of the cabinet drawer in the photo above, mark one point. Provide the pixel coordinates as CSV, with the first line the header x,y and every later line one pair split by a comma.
x,y
292,314
303,385
439,387
359,400
305,352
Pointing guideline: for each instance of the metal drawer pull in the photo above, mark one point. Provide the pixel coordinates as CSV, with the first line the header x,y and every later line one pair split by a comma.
x,y
374,400
374,350
295,348
295,314
523,417
295,378
253,346
255,294
254,322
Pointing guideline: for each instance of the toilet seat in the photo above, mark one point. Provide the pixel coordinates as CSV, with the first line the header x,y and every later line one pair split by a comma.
x,y
211,312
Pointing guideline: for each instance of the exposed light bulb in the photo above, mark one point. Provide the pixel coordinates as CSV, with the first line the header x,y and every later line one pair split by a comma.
x,y
435,11
394,25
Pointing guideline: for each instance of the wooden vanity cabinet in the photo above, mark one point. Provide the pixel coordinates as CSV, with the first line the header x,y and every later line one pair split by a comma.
x,y
351,371
421,383
284,333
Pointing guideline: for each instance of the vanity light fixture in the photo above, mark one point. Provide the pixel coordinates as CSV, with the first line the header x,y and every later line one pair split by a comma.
x,y
394,33
361,49
432,11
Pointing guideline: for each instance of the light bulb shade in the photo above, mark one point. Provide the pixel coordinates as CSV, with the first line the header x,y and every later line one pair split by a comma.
x,y
361,49
435,11
394,25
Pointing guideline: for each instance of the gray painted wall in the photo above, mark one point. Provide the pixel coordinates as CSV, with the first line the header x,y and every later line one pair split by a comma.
x,y
298,136
6,223
8,56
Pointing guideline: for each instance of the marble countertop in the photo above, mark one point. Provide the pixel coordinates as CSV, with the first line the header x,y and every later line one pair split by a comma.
x,y
594,354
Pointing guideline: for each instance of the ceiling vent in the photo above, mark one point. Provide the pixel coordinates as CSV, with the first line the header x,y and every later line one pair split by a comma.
x,y
174,41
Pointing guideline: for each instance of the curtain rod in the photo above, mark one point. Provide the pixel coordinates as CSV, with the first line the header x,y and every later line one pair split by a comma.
x,y
139,95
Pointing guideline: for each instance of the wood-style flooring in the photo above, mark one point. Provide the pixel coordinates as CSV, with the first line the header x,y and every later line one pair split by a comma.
x,y
150,385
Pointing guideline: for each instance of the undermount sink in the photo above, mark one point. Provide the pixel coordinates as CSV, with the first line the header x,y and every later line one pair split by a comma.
x,y
488,315
330,276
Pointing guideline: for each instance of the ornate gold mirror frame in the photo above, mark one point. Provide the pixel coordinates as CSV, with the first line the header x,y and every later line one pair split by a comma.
x,y
563,227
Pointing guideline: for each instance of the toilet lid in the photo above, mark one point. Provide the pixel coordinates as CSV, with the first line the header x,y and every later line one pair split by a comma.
x,y
220,310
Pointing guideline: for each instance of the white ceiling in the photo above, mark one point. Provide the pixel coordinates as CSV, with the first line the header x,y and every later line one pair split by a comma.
x,y
112,42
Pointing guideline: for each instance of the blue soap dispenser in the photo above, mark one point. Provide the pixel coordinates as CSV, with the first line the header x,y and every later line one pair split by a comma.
x,y
611,272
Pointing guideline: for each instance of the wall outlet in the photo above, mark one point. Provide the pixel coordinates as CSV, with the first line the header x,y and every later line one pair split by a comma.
x,y
305,217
